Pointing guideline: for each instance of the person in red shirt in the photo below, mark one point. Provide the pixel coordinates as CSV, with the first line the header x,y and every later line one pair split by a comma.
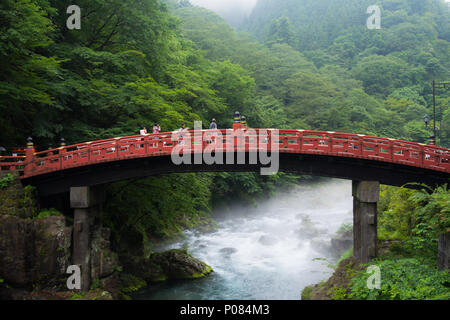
x,y
156,128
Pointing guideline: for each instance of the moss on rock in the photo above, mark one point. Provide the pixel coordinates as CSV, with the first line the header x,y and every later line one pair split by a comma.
x,y
15,199
337,287
128,284
170,265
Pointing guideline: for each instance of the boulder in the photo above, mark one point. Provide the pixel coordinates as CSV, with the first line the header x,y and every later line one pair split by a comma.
x,y
267,240
172,264
342,242
228,251
308,229
320,245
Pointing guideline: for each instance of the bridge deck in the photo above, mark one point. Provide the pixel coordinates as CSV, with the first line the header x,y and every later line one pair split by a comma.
x,y
325,143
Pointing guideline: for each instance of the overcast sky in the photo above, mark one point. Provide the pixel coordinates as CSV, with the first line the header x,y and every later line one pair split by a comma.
x,y
225,6
232,10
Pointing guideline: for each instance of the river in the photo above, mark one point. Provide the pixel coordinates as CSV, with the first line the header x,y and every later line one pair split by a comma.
x,y
268,252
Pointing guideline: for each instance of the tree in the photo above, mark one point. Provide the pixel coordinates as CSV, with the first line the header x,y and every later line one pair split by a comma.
x,y
280,32
26,67
381,75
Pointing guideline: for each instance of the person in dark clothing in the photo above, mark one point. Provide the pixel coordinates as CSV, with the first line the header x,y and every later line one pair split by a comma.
x,y
213,124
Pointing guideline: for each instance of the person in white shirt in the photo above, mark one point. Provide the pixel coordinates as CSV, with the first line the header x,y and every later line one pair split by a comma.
x,y
143,131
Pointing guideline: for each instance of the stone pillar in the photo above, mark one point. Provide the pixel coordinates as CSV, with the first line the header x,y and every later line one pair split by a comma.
x,y
365,197
80,201
444,252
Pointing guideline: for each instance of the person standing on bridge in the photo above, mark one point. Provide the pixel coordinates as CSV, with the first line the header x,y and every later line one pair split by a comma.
x,y
213,124
183,128
143,131
156,128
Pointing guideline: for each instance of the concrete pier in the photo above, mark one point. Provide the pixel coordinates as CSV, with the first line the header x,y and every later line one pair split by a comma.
x,y
365,198
80,201
87,204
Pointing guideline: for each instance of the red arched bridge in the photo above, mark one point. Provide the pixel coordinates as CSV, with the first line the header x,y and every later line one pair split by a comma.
x,y
331,154
366,160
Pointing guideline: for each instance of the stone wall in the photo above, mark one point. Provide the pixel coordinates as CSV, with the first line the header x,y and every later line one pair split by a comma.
x,y
34,252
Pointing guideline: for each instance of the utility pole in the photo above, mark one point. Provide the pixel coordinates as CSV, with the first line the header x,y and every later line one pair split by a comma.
x,y
437,85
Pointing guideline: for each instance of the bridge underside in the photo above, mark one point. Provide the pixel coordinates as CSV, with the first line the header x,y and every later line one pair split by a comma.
x,y
317,165
366,176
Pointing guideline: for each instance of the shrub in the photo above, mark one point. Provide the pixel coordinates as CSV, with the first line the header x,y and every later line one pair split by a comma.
x,y
347,254
403,279
6,181
337,293
306,292
48,213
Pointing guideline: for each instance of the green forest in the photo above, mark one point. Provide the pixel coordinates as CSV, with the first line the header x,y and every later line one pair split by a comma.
x,y
310,64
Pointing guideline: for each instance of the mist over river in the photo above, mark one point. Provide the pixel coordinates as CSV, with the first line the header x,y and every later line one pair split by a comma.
x,y
266,252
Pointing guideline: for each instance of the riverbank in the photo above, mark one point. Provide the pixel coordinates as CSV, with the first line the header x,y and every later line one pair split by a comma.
x,y
412,224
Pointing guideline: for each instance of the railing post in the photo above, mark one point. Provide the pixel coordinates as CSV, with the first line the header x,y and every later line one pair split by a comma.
x,y
29,154
62,152
361,146
330,143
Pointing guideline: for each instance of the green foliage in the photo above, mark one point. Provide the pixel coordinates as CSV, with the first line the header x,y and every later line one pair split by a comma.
x,y
306,292
393,64
433,211
131,283
403,279
381,75
117,268
95,284
48,213
417,217
345,227
157,207
337,293
396,213
25,68
408,269
6,181
280,32
347,254
77,296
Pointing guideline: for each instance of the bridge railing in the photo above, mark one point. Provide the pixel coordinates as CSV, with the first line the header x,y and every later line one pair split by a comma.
x,y
15,163
286,141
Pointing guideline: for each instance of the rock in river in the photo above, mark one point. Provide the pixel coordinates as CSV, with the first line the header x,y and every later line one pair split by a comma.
x,y
267,240
172,264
